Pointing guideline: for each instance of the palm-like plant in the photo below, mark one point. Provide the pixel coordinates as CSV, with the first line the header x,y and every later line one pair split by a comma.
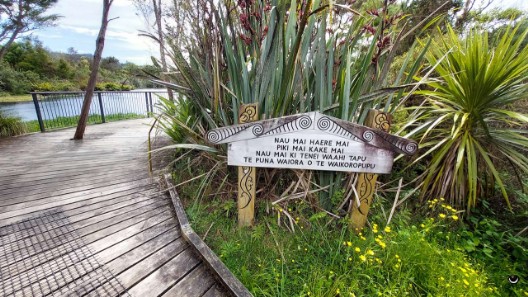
x,y
290,56
467,124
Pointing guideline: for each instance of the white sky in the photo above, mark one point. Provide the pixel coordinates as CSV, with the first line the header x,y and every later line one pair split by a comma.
x,y
79,26
81,20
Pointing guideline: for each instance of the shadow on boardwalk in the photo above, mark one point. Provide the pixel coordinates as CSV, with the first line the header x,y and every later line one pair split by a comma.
x,y
83,218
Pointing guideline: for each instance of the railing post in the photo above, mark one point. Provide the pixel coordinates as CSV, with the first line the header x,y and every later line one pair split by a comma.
x,y
151,106
39,114
99,97
147,102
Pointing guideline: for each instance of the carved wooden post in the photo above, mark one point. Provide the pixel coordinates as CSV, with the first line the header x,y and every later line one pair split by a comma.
x,y
246,175
366,183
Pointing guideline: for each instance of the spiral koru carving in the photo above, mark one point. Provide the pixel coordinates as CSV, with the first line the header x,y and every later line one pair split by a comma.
x,y
305,122
366,189
411,147
213,136
246,185
368,136
248,114
324,123
257,129
381,122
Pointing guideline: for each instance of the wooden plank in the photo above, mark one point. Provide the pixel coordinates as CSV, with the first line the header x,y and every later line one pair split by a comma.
x,y
150,264
172,249
77,207
96,236
40,198
64,181
63,174
24,208
247,175
128,252
165,276
46,168
196,283
125,219
22,261
214,291
59,189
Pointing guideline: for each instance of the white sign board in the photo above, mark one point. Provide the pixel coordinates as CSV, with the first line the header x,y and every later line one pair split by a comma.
x,y
310,150
311,141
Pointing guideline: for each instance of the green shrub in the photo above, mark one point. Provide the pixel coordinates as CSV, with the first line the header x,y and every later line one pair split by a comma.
x,y
11,126
112,86
15,82
466,126
55,86
44,87
289,57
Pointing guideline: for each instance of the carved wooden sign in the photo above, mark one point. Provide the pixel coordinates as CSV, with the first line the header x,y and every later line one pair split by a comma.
x,y
311,141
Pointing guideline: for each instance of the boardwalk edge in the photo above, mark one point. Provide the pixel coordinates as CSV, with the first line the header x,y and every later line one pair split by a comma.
x,y
222,273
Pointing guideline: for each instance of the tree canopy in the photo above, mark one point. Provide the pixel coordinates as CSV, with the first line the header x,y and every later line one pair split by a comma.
x,y
21,16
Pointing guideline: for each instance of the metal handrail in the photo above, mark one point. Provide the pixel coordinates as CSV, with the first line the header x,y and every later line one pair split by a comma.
x,y
62,109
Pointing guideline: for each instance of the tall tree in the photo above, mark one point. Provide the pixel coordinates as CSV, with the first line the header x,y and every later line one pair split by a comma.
x,y
21,16
99,46
149,8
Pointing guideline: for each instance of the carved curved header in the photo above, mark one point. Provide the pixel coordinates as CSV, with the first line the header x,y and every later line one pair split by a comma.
x,y
367,135
271,127
313,121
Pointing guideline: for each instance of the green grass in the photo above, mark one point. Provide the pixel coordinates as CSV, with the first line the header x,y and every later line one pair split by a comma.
x,y
64,122
15,98
428,251
320,260
11,126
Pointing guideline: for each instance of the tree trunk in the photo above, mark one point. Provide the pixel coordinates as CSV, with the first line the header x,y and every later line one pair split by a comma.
x,y
99,45
5,47
159,28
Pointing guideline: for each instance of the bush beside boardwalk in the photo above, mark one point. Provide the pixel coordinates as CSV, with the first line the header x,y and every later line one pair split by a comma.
x,y
425,251
300,245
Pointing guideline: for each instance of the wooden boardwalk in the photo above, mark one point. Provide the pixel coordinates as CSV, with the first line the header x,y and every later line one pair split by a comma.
x,y
83,218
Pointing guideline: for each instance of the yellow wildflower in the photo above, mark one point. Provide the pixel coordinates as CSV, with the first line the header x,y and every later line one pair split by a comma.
x,y
363,258
442,216
387,229
357,250
466,282
454,217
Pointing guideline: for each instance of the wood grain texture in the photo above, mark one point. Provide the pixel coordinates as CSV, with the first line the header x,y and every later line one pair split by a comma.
x,y
246,194
113,207
366,183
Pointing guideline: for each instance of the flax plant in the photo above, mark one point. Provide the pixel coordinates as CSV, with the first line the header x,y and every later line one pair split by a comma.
x,y
467,124
291,57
